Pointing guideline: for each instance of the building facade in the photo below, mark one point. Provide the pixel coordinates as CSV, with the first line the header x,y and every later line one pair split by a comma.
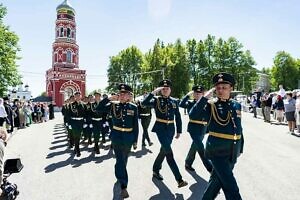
x,y
65,77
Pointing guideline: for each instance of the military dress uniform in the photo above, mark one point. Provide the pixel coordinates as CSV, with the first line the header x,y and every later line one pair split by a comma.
x,y
76,123
66,114
197,129
145,116
96,124
225,140
166,111
124,133
88,125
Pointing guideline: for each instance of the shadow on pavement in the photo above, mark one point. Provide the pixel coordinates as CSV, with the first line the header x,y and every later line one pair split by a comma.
x,y
54,166
108,156
140,153
164,192
197,188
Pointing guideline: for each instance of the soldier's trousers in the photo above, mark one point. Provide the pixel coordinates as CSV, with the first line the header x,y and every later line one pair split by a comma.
x,y
197,146
77,126
97,125
87,131
222,177
165,138
121,153
145,121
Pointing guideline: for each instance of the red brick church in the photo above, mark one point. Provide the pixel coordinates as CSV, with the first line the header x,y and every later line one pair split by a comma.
x,y
65,77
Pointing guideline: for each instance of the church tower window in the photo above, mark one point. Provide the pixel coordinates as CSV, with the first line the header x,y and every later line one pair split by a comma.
x,y
69,57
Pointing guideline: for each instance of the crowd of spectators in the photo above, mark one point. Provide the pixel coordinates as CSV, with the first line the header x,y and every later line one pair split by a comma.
x,y
282,106
17,114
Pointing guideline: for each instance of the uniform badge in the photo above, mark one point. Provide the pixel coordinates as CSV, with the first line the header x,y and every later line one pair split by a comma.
x,y
130,112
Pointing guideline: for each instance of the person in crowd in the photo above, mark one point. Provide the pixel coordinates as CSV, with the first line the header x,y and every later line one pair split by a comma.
x,y
290,107
9,112
16,113
3,139
254,105
268,106
21,115
281,91
51,111
263,100
3,114
298,113
279,109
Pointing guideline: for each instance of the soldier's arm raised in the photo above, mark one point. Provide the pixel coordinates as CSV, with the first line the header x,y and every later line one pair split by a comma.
x,y
184,102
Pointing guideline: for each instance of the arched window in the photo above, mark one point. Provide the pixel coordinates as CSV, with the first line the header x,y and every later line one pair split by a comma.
x,y
69,57
61,32
68,32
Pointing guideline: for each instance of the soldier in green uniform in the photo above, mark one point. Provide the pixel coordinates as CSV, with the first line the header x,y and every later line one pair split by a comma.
x,y
96,121
66,113
124,132
87,125
225,140
166,111
145,116
76,120
196,128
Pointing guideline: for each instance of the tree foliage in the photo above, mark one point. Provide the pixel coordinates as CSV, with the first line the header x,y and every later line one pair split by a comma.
x,y
9,75
285,71
185,65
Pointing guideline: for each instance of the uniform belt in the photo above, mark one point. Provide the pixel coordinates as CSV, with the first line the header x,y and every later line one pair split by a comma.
x,y
165,121
122,129
96,119
144,114
77,118
225,136
198,122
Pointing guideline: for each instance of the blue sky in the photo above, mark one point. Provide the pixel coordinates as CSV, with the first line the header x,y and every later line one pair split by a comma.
x,y
104,27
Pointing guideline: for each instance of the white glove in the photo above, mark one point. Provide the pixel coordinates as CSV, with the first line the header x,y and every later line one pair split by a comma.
x,y
91,125
70,127
85,125
67,124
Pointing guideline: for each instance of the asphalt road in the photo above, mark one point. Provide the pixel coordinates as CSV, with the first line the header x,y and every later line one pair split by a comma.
x,y
268,169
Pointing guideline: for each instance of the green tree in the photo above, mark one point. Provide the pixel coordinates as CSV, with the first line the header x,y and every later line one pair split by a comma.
x,y
155,61
285,71
125,68
191,46
9,75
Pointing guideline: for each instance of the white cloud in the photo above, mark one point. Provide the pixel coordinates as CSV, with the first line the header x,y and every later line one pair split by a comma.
x,y
158,9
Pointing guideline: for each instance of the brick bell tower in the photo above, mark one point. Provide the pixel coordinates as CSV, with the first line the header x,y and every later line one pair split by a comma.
x,y
65,77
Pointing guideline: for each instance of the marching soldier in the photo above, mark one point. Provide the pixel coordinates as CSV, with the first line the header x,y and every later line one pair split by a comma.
x,y
225,140
66,113
145,116
197,130
124,131
76,121
96,121
87,126
166,110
